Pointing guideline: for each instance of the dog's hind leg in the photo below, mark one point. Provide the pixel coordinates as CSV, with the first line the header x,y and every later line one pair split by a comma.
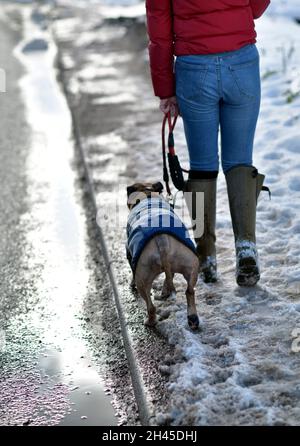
x,y
144,285
168,286
191,278
163,246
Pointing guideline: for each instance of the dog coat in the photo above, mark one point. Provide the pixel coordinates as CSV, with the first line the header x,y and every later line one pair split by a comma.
x,y
152,216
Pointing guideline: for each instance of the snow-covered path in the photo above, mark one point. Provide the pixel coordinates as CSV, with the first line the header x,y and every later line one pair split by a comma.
x,y
241,368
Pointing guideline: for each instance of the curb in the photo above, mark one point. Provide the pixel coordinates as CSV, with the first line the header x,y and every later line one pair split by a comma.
x,y
136,378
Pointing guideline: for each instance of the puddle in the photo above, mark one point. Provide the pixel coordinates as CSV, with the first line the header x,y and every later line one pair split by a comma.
x,y
56,233
90,405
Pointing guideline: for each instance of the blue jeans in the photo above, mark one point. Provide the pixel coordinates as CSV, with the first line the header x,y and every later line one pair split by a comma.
x,y
220,90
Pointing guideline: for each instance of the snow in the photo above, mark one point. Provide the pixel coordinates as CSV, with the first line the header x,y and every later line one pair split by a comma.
x,y
289,8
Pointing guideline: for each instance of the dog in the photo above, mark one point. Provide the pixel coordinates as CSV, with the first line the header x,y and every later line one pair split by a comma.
x,y
158,242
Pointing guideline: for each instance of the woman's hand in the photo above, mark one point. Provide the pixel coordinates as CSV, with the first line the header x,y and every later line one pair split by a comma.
x,y
169,104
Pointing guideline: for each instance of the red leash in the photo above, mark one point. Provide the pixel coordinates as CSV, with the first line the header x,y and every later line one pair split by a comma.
x,y
175,169
171,147
168,118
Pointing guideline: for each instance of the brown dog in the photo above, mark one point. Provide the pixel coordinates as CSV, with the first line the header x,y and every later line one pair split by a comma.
x,y
161,252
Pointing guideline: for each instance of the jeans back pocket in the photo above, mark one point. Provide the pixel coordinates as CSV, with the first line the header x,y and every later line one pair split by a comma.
x,y
246,76
190,80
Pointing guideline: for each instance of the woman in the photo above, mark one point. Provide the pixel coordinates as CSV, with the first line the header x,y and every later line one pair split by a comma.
x,y
214,83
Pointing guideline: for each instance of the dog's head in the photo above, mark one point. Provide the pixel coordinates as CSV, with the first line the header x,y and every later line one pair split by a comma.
x,y
140,191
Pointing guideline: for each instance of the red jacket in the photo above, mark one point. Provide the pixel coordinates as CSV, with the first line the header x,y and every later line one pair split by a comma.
x,y
177,27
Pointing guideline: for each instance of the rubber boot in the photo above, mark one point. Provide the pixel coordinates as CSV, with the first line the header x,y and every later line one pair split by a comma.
x,y
244,185
205,182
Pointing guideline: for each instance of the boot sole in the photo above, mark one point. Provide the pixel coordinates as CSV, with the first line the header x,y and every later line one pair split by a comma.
x,y
207,278
248,272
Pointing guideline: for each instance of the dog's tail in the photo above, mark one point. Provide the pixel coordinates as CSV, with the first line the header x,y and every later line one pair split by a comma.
x,y
163,246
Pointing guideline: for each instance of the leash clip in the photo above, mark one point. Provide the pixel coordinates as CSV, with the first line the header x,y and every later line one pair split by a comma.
x,y
170,199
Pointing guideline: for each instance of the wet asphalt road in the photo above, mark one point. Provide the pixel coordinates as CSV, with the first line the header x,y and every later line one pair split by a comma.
x,y
61,355
14,143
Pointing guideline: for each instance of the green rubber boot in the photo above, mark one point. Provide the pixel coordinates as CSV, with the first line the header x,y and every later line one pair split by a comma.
x,y
206,240
244,185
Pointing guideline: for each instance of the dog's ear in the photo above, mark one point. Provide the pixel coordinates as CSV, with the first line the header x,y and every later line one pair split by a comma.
x,y
158,187
130,190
